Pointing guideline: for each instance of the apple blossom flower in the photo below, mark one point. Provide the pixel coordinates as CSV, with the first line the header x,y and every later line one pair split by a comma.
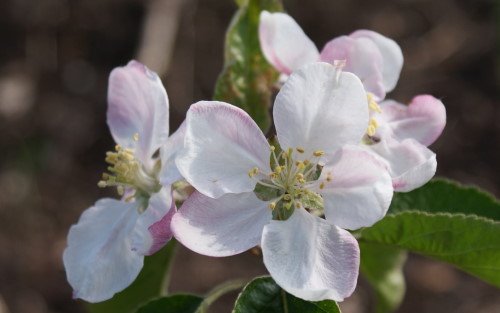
x,y
106,247
374,58
400,134
250,192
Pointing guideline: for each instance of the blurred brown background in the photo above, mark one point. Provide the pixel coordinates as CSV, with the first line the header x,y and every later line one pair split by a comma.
x,y
55,58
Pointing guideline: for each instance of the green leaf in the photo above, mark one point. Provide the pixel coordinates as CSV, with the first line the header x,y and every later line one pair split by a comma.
x,y
263,295
467,241
247,78
174,304
444,196
149,284
383,267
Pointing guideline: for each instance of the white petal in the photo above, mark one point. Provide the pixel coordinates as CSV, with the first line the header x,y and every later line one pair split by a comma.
x,y
225,226
423,119
310,258
137,104
315,111
360,190
284,43
410,163
392,56
99,261
152,230
169,173
362,59
221,145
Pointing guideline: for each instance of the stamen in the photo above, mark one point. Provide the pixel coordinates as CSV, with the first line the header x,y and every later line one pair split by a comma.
x,y
272,206
318,153
102,184
250,173
135,137
287,197
322,185
299,150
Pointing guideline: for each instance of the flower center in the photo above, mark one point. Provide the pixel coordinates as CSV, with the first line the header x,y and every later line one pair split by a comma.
x,y
127,172
288,185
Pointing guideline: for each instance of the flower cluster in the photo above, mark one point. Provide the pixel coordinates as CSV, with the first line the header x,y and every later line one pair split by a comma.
x,y
339,153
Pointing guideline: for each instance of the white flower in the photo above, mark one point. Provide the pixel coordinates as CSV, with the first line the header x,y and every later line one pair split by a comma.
x,y
106,247
249,193
400,136
374,58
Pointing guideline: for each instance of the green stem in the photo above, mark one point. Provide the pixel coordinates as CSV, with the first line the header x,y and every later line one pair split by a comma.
x,y
285,303
219,291
172,248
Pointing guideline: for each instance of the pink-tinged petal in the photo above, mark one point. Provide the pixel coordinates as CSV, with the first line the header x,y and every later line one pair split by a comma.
x,y
360,190
99,261
222,143
137,104
220,227
362,58
423,119
152,230
284,43
169,173
310,258
392,56
320,108
410,163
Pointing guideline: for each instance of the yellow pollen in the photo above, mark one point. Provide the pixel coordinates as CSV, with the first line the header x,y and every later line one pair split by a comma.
x,y
277,169
256,171
372,104
287,197
283,167
272,148
318,153
297,204
370,130
374,122
272,205
299,150
250,174
302,181
118,148
322,185
298,163
272,175
102,184
300,175
306,162
135,137
328,178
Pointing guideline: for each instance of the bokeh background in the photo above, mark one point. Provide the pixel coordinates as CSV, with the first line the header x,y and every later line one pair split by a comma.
x,y
55,57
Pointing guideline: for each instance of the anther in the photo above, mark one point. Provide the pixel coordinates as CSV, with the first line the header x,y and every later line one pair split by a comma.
x,y
322,185
118,148
256,171
287,197
306,162
102,184
120,190
272,148
328,178
272,206
250,174
299,150
318,153
135,137
277,169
